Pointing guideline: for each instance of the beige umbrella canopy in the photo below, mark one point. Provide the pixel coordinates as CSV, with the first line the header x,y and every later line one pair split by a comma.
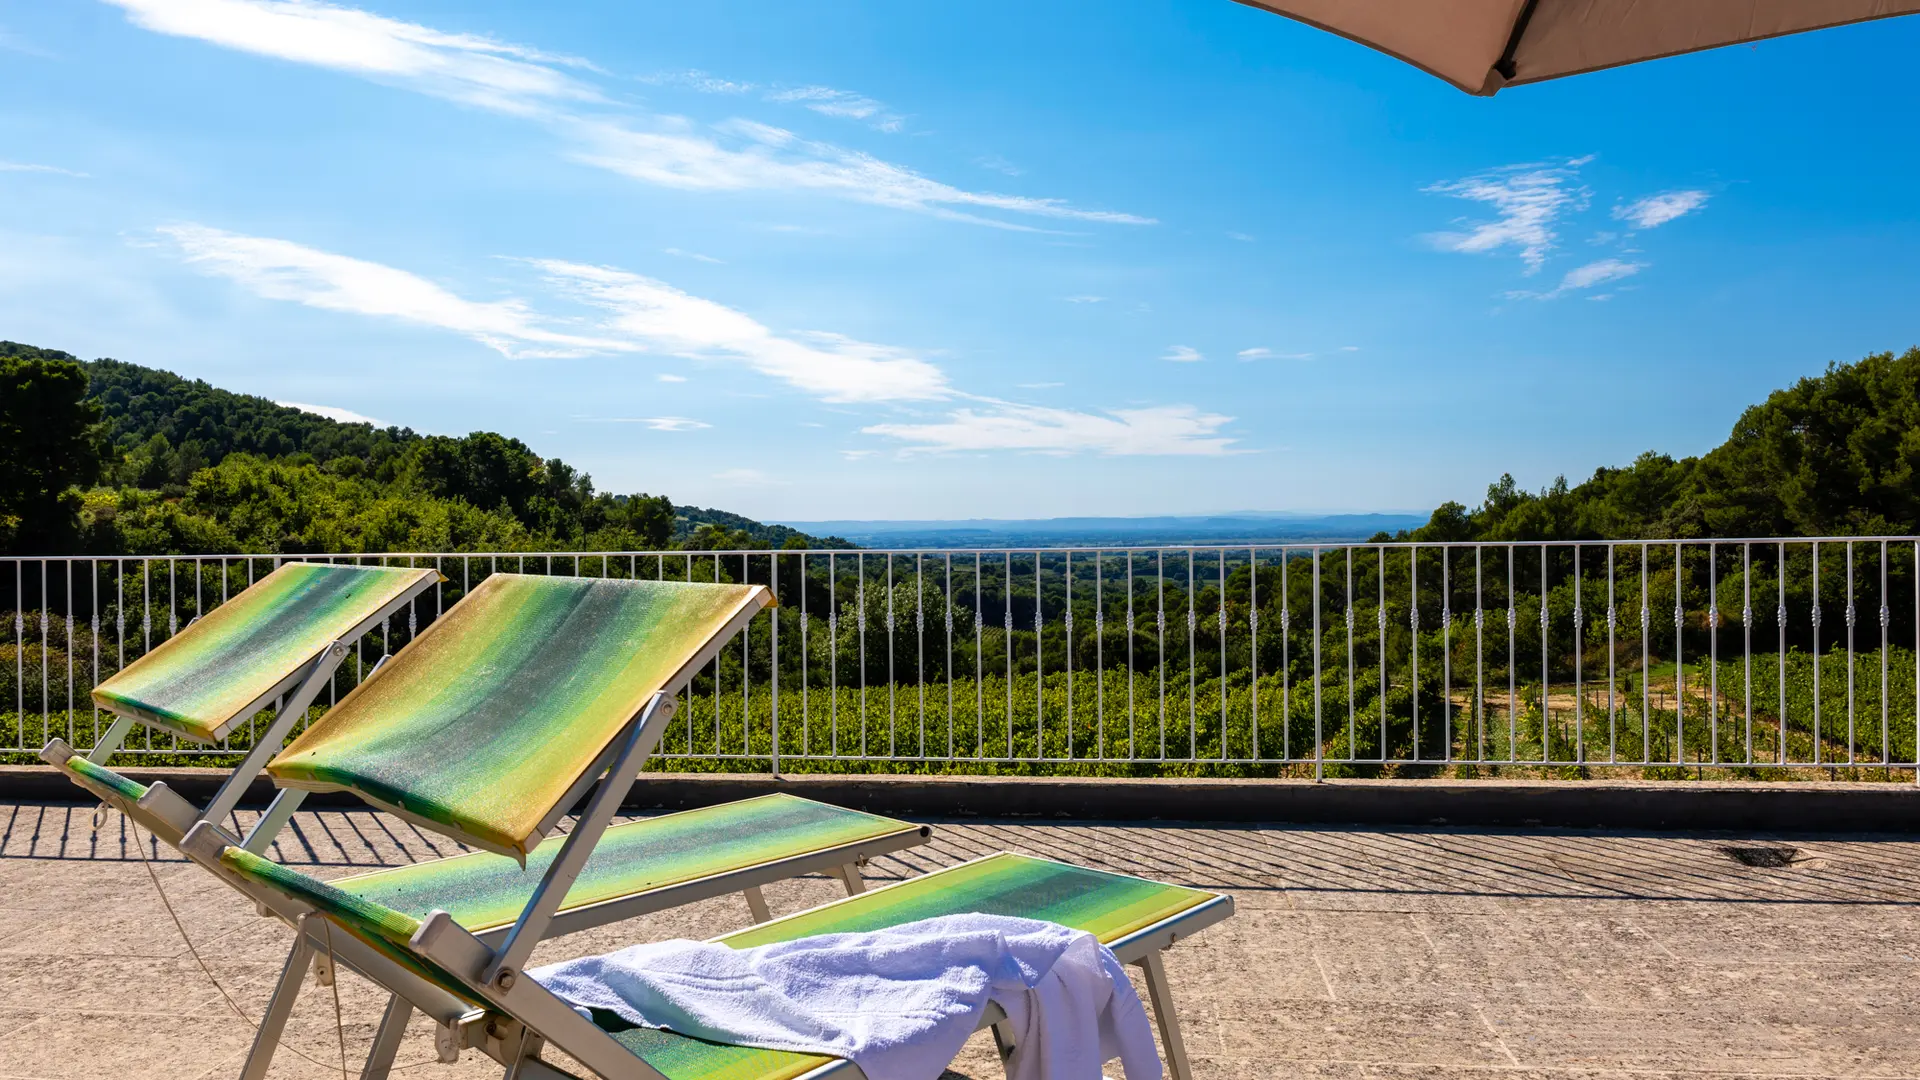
x,y
1482,46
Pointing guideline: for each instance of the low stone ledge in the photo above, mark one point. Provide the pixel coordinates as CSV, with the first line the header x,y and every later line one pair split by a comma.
x,y
1810,806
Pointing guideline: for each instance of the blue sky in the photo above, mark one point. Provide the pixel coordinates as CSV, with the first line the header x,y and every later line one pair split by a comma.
x,y
893,260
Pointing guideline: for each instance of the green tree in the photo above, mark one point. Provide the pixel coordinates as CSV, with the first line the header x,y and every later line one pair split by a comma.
x,y
50,441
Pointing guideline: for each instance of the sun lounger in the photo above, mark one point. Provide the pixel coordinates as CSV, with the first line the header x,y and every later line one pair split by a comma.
x,y
511,1019
282,638
496,721
391,743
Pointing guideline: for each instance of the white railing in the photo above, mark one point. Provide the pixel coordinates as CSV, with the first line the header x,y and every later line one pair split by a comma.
x,y
1738,656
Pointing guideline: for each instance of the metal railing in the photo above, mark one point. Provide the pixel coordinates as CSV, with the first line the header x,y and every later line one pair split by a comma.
x,y
1742,656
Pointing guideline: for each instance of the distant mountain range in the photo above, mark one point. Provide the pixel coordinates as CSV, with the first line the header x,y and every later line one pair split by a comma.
x,y
1236,527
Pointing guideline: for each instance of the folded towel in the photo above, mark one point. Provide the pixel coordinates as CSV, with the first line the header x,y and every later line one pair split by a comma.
x,y
898,1002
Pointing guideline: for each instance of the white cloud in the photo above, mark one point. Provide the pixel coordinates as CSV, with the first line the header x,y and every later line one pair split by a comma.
x,y
283,270
694,255
658,317
653,148
1240,236
999,164
856,455
695,79
633,314
28,167
1349,348
458,67
1183,354
1161,430
1041,385
1656,210
1586,277
1529,199
743,156
846,104
1263,353
1594,273
654,423
1086,299
332,412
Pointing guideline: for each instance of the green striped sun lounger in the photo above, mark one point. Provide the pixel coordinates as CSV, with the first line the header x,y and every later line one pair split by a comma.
x,y
281,638
492,725
451,974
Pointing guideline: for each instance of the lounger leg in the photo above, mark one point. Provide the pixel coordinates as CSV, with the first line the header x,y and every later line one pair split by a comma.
x,y
278,814
278,1009
386,1041
757,903
110,740
1003,1039
850,874
1161,993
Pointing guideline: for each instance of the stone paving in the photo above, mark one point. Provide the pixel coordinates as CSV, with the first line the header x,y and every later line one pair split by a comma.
x,y
1426,954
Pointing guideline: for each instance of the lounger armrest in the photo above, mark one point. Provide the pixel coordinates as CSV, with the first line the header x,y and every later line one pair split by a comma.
x,y
166,805
56,753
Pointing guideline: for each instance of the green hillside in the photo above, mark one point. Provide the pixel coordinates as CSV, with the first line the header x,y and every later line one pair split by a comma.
x,y
152,463
1834,454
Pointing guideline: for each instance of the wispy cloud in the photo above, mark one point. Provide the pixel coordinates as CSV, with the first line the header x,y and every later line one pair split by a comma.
x,y
653,148
1349,348
458,67
694,255
12,42
1594,273
28,167
1182,354
697,80
1000,165
1261,352
845,104
743,155
628,313
1162,430
1527,201
1244,238
652,423
1086,299
283,270
333,412
1656,210
658,317
670,378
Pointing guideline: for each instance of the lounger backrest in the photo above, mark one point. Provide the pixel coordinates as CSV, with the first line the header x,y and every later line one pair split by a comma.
x,y
232,662
495,719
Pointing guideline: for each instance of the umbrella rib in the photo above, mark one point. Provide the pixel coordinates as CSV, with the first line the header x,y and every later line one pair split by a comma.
x,y
1505,65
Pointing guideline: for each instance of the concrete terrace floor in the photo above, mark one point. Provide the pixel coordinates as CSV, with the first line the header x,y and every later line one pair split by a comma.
x,y
1430,953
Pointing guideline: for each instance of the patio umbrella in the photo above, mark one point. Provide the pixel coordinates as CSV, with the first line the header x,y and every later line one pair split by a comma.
x,y
1483,46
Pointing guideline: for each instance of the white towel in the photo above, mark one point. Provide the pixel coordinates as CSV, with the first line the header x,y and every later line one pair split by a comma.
x,y
898,1002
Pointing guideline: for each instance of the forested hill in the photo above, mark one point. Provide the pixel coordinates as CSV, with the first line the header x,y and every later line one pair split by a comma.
x,y
182,466
1837,454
